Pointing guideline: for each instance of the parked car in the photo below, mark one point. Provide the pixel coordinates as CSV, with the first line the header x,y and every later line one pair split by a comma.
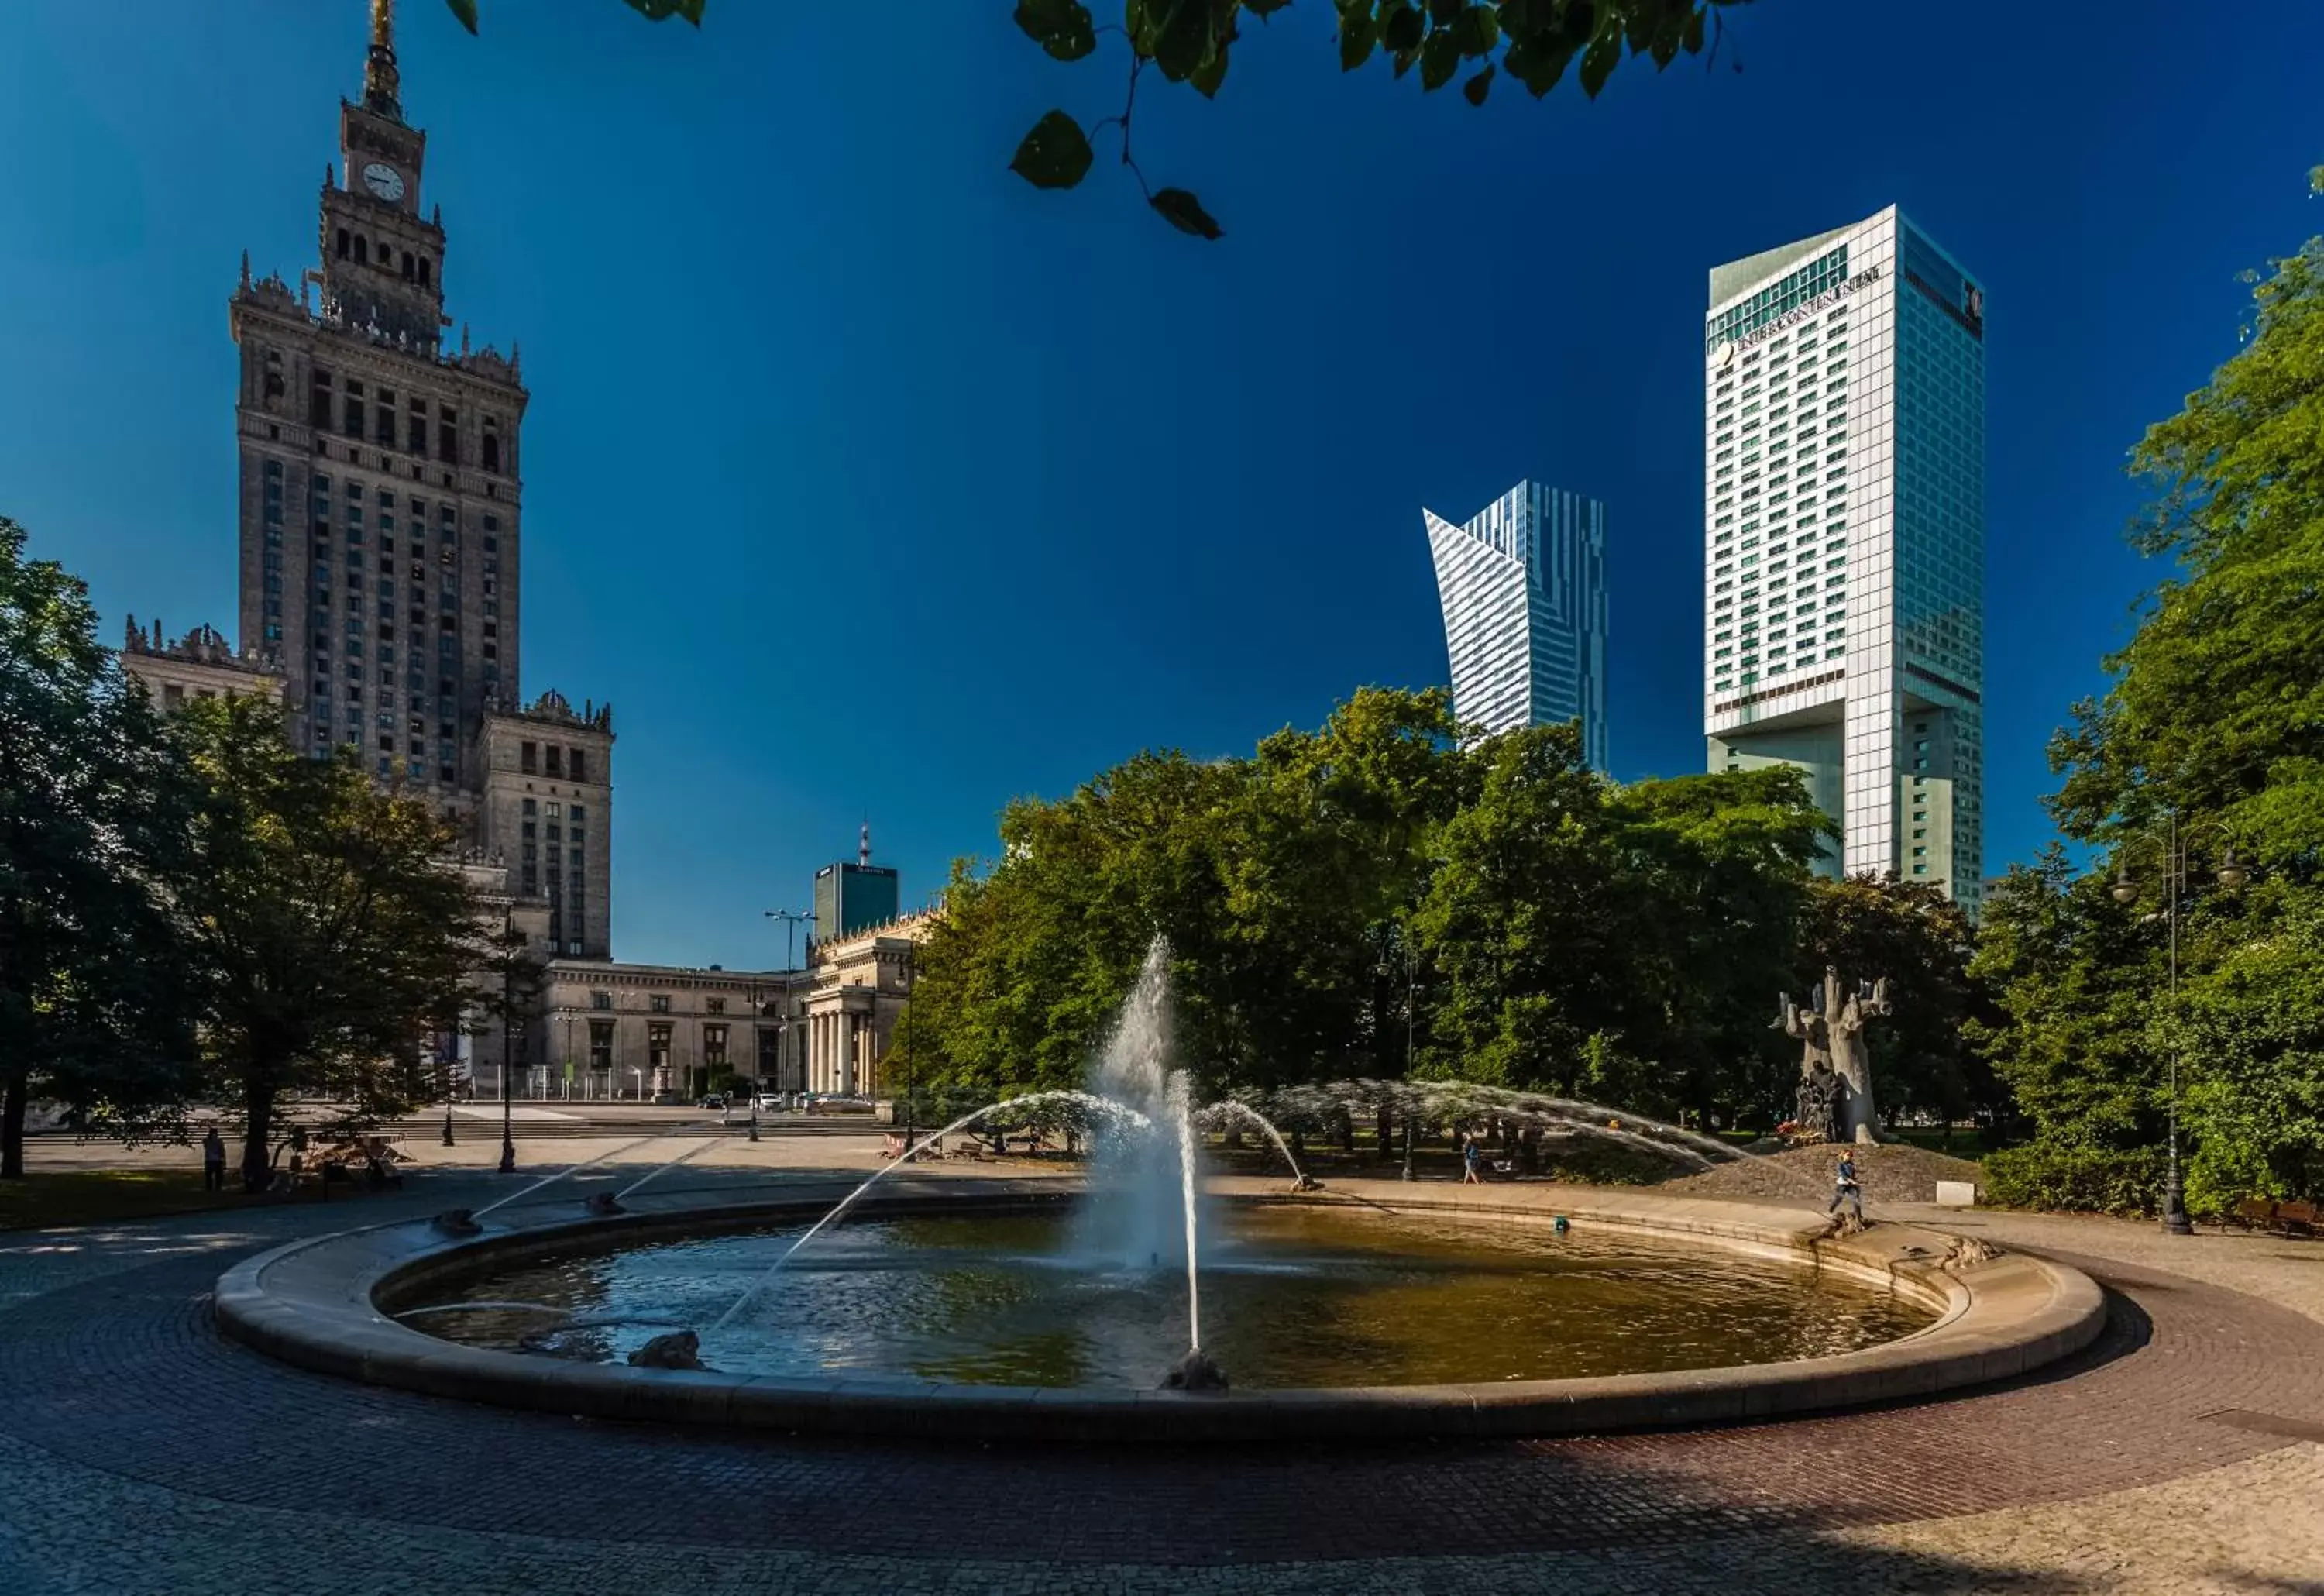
x,y
712,1100
767,1102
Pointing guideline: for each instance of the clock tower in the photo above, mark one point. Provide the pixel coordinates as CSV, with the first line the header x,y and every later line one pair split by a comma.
x,y
382,260
381,505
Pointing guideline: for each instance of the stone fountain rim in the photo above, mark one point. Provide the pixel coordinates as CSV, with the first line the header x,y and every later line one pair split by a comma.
x,y
315,1303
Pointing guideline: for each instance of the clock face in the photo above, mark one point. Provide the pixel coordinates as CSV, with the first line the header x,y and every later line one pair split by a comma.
x,y
383,181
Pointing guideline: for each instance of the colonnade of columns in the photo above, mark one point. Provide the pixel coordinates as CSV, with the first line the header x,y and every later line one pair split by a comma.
x,y
842,1052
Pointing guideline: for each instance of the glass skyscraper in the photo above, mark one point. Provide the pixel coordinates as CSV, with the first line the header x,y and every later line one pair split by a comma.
x,y
1523,583
1844,539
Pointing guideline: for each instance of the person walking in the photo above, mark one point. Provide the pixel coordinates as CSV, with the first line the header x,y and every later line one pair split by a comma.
x,y
213,1161
1470,1159
1845,1189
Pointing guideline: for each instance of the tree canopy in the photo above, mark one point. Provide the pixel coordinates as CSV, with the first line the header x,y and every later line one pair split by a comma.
x,y
1526,921
2209,741
330,934
94,823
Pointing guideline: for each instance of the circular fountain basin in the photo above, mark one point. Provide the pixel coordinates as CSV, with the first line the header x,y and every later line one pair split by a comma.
x,y
1294,1295
963,1308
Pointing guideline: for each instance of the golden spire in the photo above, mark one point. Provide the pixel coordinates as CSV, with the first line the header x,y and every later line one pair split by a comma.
x,y
380,83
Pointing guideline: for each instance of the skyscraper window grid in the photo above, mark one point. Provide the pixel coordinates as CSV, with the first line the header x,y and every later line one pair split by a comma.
x,y
1843,539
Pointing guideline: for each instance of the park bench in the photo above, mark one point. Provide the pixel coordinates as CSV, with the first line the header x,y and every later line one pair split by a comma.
x,y
2264,1213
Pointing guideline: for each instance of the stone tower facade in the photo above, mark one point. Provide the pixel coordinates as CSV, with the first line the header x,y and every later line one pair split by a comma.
x,y
381,518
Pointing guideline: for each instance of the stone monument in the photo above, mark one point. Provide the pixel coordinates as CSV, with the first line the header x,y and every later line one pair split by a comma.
x,y
1835,1093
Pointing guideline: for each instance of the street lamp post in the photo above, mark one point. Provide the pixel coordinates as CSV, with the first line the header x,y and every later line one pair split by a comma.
x,y
508,1034
792,920
444,1062
2230,874
1411,997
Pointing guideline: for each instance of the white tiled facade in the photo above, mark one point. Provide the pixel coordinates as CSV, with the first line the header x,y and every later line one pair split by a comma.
x,y
1523,584
1844,538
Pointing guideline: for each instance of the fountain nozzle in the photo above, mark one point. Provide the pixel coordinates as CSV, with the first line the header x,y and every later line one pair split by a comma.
x,y
604,1205
1195,1372
458,1222
1306,1183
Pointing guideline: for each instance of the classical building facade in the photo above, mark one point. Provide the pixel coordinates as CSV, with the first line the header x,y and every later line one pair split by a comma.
x,y
607,1030
200,664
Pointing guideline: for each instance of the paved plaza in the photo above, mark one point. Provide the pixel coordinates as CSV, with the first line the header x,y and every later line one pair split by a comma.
x,y
139,1452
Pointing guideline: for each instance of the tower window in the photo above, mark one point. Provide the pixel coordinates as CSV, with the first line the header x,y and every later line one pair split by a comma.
x,y
529,758
448,448
579,767
423,271
343,244
362,251
408,273
492,445
318,404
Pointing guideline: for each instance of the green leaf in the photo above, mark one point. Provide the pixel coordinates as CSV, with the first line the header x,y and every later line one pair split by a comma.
x,y
1440,57
1475,90
1358,33
1182,211
1180,36
464,11
1064,28
1263,9
1212,72
657,11
1401,29
1537,66
1476,30
1693,43
1055,155
1598,61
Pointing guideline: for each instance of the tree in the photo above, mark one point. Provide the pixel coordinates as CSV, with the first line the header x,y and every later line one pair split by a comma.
x,y
1725,860
1190,41
95,807
2215,719
329,934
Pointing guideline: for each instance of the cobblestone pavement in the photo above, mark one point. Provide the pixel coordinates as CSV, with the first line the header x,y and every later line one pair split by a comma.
x,y
139,1452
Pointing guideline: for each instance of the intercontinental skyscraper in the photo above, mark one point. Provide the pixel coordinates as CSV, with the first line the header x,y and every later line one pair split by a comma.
x,y
1844,539
1522,585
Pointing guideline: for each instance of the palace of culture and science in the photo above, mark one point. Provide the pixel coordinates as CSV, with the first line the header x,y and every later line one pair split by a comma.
x,y
380,546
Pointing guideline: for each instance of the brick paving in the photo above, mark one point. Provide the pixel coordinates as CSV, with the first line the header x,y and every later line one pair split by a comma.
x,y
140,1451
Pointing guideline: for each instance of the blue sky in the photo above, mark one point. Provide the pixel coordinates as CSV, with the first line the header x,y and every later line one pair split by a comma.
x,y
866,481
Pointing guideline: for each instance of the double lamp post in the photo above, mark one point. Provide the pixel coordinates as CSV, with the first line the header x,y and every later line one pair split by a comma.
x,y
2173,843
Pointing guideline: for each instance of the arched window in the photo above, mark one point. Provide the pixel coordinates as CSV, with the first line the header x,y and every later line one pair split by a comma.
x,y
363,253
408,271
343,244
492,445
423,271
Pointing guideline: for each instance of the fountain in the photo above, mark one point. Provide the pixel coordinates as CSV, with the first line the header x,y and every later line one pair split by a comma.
x,y
1380,1309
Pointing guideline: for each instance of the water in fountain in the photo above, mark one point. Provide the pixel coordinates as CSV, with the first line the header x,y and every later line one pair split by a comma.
x,y
1095,1104
1234,1108
700,1147
561,1175
1184,1116
1563,1116
1132,1218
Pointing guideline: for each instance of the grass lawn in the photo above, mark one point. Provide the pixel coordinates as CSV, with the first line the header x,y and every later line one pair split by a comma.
x,y
101,1196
